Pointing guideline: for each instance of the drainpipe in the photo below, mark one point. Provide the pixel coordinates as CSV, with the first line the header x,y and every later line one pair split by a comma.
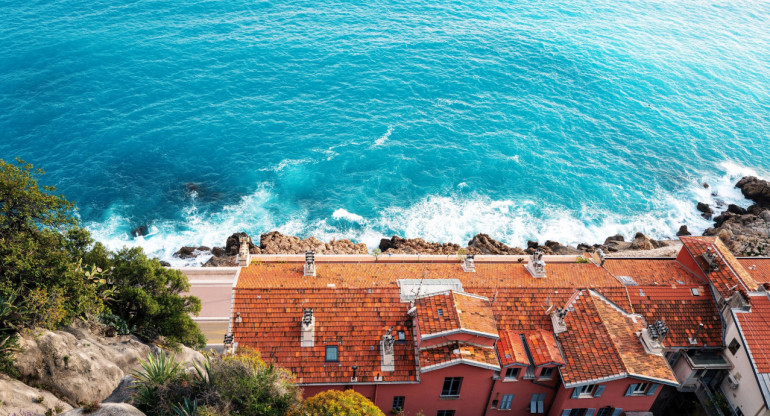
x,y
491,389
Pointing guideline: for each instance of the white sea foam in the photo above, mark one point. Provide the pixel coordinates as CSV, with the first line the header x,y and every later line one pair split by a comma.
x,y
347,215
382,139
284,164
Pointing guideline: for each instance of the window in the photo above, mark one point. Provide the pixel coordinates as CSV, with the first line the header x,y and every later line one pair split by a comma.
x,y
639,389
332,353
536,403
451,386
445,413
695,291
401,335
587,391
398,403
505,403
546,373
512,373
605,411
734,346
494,403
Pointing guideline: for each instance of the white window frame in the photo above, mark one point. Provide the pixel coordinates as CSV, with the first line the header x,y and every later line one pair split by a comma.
x,y
517,370
587,391
549,376
641,389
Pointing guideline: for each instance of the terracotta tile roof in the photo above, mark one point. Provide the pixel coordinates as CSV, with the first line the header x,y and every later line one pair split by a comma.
x,y
681,311
475,313
511,350
436,314
353,319
758,268
458,353
588,350
637,362
543,347
524,310
618,296
729,274
755,327
369,275
650,272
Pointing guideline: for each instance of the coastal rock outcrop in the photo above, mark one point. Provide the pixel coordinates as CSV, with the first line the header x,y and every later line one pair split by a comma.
x,y
400,245
485,244
233,244
15,396
746,231
276,243
107,409
643,242
683,231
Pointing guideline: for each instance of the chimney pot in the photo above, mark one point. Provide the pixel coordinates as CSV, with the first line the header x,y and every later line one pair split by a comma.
x,y
309,263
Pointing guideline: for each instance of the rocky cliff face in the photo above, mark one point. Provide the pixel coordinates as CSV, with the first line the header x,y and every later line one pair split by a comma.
x,y
746,231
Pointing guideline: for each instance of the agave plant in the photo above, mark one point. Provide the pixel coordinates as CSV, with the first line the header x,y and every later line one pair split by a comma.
x,y
158,369
186,408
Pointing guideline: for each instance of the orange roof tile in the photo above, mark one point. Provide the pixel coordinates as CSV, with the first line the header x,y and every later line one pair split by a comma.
x,y
446,355
543,347
758,268
475,313
681,311
637,362
755,327
368,275
650,272
511,349
729,274
353,319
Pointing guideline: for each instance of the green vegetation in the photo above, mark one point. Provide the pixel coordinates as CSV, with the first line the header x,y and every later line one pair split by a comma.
x,y
52,271
335,402
241,384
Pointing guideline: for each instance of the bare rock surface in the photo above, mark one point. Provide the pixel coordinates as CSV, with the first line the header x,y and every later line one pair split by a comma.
x,y
276,243
108,409
485,244
399,245
755,189
123,392
16,396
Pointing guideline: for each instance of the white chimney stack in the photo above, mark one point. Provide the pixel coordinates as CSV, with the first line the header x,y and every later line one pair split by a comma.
x,y
309,263
244,255
652,337
386,348
557,319
308,329
468,264
536,265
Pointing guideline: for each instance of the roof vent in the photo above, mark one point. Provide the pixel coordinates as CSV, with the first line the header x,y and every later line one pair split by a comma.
x,y
309,263
711,260
557,319
536,265
468,264
652,337
386,348
694,339
308,328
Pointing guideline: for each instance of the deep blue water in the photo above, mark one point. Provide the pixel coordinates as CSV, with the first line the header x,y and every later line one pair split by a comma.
x,y
568,120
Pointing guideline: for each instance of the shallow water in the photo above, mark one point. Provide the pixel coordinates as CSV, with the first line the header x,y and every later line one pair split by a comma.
x,y
564,120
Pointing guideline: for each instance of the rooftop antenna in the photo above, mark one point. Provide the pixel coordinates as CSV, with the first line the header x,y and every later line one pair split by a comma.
x,y
419,287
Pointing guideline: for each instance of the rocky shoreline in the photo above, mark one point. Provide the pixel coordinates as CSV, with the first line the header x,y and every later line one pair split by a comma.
x,y
745,231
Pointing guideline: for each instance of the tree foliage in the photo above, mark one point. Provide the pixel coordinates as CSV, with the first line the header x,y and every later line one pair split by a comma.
x,y
335,402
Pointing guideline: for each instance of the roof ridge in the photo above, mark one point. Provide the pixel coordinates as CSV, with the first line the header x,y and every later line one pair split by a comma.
x,y
609,336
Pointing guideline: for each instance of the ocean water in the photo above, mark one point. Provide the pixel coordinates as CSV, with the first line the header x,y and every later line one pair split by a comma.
x,y
567,120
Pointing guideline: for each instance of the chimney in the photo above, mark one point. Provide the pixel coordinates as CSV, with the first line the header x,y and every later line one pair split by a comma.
x,y
468,264
536,265
308,328
694,339
652,337
244,255
711,260
557,319
386,348
309,263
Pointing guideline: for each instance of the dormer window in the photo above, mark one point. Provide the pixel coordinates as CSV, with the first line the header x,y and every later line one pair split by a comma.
x,y
401,336
512,373
546,373
332,353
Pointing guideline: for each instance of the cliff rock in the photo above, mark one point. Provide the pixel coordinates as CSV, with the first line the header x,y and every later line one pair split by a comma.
x,y
276,243
755,189
399,245
485,244
15,396
108,409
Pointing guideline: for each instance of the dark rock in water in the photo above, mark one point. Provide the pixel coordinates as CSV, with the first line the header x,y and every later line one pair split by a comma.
x,y
139,231
192,188
233,243
704,208
218,251
614,238
682,231
225,261
735,209
485,244
399,245
203,248
642,242
532,244
706,185
385,244
711,231
186,253
755,209
755,189
721,218
165,263
585,247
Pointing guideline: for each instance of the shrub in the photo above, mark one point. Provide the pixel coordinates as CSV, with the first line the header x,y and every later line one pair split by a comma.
x,y
335,402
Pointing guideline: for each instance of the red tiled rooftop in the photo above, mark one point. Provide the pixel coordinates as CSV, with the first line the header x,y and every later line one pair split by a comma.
x,y
648,272
755,327
758,268
369,275
543,347
458,353
729,274
681,311
353,319
622,329
511,349
475,313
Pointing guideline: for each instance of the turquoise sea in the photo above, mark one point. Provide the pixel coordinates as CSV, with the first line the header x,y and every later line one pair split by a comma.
x,y
567,120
